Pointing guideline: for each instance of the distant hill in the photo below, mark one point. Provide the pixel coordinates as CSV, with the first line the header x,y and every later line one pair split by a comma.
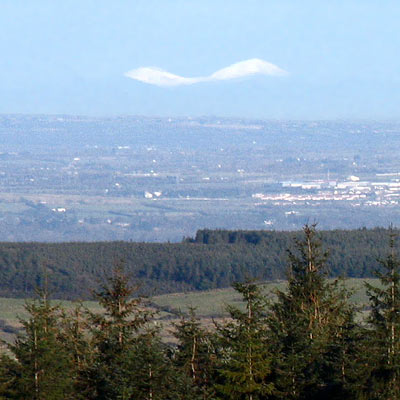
x,y
212,259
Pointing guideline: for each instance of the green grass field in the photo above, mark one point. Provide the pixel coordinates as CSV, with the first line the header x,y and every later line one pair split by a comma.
x,y
208,304
213,303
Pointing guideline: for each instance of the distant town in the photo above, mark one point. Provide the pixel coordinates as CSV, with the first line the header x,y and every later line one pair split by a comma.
x,y
359,193
156,179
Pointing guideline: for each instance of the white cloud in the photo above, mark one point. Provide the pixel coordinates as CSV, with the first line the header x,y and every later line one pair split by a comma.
x,y
159,77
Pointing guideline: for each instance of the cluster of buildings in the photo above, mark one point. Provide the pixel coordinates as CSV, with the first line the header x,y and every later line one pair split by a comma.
x,y
352,189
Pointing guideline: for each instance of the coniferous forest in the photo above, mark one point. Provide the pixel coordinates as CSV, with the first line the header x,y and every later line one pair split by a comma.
x,y
309,342
212,259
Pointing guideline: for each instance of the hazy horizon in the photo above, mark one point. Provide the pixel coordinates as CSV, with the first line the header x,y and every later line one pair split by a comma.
x,y
199,116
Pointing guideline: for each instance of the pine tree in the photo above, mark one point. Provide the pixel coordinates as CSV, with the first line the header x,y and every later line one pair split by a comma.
x,y
305,322
245,367
383,341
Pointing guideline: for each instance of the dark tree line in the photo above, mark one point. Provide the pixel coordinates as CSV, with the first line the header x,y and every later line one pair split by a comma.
x,y
213,259
305,344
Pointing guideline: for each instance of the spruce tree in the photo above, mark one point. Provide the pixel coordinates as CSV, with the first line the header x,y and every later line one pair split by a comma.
x,y
305,322
154,374
76,340
46,367
383,343
195,355
129,360
245,367
10,377
114,333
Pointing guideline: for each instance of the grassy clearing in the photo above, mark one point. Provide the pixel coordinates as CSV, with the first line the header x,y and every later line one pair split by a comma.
x,y
13,310
208,304
213,303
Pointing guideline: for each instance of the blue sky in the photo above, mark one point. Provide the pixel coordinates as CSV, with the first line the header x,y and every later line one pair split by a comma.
x,y
70,57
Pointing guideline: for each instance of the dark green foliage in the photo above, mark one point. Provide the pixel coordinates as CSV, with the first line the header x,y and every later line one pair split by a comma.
x,y
76,340
152,374
129,360
214,259
195,354
45,365
10,378
114,335
383,337
307,325
303,345
246,363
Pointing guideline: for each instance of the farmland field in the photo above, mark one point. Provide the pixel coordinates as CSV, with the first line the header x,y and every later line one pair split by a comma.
x,y
209,305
